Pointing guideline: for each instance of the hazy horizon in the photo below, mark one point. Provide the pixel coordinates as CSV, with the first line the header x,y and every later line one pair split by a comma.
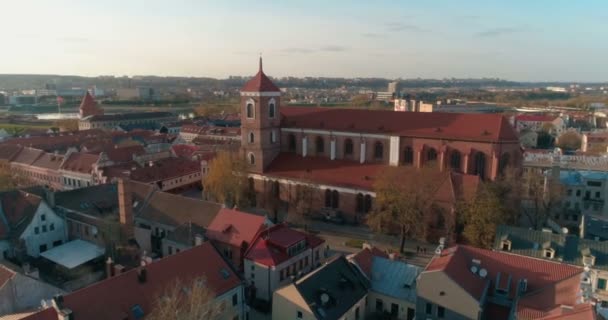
x,y
525,41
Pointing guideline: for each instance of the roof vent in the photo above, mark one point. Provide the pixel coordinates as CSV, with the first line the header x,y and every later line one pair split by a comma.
x,y
324,299
474,269
483,273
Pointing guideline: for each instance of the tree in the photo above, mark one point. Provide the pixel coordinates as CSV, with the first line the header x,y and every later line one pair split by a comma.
x,y
480,216
302,205
540,197
191,300
544,140
569,140
227,179
10,180
404,198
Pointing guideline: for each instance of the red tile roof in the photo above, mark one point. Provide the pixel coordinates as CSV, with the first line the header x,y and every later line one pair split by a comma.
x,y
113,298
270,246
124,154
234,227
46,314
260,83
49,161
80,162
343,173
364,259
165,169
541,275
436,125
534,117
8,151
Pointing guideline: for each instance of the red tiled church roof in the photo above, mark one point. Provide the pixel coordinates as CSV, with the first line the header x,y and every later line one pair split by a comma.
x,y
260,83
471,127
115,297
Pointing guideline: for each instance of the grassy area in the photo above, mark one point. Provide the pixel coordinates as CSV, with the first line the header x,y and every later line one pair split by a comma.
x,y
13,126
354,243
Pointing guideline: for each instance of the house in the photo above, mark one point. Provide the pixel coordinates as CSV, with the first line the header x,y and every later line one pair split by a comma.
x,y
133,294
552,124
233,232
77,170
20,291
570,249
336,290
584,193
463,282
171,174
28,225
392,289
340,151
278,255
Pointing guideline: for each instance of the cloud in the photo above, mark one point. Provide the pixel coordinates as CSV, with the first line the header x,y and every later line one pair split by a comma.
x,y
398,26
373,35
73,39
333,48
497,32
298,50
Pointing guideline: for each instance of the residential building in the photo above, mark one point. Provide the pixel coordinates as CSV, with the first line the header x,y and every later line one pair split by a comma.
x,y
412,105
392,291
595,142
277,256
78,170
589,254
133,294
139,93
585,193
546,159
553,125
22,291
470,283
170,174
112,121
341,150
28,225
233,233
336,290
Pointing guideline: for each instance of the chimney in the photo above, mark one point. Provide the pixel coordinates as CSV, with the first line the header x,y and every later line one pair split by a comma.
x,y
109,267
125,207
49,196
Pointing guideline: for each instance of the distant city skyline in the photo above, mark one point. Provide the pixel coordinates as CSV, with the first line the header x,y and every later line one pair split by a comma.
x,y
515,40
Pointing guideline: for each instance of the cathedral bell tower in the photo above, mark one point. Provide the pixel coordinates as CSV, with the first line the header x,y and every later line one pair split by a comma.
x,y
260,121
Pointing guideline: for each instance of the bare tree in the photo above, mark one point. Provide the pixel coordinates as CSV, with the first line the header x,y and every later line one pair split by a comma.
x,y
540,198
191,300
227,179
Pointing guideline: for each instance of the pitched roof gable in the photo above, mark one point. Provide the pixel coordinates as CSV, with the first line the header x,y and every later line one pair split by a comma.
x,y
235,227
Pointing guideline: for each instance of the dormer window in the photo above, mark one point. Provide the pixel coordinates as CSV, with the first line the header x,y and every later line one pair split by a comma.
x,y
549,253
505,245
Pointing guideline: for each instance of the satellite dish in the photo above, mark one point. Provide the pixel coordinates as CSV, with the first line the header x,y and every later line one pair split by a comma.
x,y
324,298
474,269
565,230
483,273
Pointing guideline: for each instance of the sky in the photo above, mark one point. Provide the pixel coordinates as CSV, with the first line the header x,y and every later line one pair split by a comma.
x,y
520,40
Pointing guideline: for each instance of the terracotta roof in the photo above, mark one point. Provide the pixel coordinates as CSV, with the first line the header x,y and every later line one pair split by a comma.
x,y
260,83
28,155
80,162
18,208
437,125
124,154
115,297
270,246
6,275
534,117
46,314
8,151
541,275
364,258
343,173
235,227
49,161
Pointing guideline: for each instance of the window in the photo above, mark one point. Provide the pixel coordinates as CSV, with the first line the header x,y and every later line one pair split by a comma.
x,y
601,284
57,243
250,110
43,217
271,109
429,308
44,228
36,230
86,230
440,312
319,145
379,305
251,159
578,193
594,183
348,147
394,309
503,163
587,194
42,248
549,253
292,142
378,150
506,245
299,315
408,155
251,137
480,165
455,161
235,299
273,136
170,250
431,155
597,194
569,192
357,313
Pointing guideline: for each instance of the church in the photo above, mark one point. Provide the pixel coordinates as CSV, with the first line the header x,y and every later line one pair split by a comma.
x,y
340,151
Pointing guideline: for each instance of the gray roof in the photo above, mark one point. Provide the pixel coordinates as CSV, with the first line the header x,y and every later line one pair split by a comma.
x,y
396,279
568,248
99,200
337,282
